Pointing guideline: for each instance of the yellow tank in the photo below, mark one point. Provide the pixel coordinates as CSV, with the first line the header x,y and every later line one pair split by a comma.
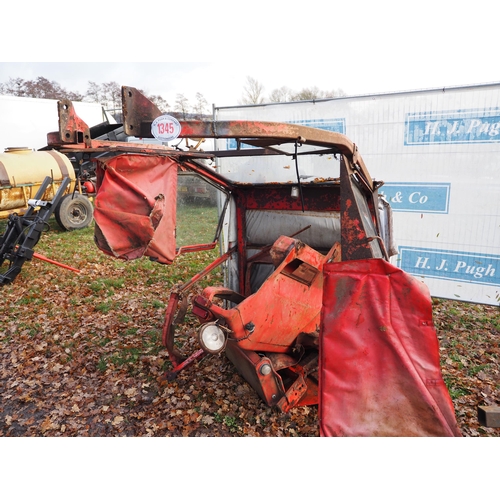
x,y
22,171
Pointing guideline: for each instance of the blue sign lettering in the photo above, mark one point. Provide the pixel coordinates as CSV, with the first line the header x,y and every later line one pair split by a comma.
x,y
417,197
450,265
453,127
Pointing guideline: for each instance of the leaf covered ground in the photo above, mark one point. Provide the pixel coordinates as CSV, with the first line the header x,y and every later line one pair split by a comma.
x,y
81,355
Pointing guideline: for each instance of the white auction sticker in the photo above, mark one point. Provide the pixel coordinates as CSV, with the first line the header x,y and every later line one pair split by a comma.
x,y
165,128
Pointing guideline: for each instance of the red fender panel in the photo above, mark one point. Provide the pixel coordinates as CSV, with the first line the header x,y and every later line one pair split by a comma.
x,y
135,207
379,355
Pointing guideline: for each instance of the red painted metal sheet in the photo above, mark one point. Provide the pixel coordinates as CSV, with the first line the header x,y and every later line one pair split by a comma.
x,y
135,207
320,198
288,302
379,355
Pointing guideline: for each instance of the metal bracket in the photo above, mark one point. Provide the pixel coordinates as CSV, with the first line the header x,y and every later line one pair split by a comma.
x,y
37,203
24,232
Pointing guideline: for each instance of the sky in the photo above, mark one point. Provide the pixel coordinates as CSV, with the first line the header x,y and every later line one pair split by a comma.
x,y
224,86
360,47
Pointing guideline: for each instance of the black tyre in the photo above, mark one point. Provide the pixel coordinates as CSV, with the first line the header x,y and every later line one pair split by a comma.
x,y
74,211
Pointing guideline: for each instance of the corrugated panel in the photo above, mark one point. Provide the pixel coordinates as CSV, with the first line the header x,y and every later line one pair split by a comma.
x,y
265,227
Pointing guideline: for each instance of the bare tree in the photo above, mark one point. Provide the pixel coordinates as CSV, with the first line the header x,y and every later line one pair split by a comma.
x,y
337,93
314,93
252,92
94,92
112,95
160,103
13,86
107,94
308,94
283,94
182,105
200,106
40,88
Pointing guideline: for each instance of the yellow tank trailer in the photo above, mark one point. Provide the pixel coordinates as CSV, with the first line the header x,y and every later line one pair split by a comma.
x,y
22,172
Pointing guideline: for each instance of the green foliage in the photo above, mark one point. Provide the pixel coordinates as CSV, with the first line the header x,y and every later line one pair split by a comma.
x,y
231,422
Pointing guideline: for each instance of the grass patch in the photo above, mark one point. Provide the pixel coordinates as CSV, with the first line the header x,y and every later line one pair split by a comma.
x,y
103,307
474,370
196,224
125,357
458,392
102,365
454,388
113,282
156,304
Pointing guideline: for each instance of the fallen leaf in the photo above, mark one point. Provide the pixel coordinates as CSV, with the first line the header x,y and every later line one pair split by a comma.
x,y
117,420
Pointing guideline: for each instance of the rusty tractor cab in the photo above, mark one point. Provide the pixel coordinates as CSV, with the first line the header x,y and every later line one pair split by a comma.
x,y
289,203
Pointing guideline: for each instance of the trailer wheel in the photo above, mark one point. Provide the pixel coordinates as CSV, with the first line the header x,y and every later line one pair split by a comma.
x,y
74,211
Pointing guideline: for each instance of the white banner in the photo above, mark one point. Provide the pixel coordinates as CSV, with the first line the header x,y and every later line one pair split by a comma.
x,y
438,153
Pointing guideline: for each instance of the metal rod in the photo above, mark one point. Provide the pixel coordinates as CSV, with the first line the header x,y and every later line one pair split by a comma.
x,y
50,261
